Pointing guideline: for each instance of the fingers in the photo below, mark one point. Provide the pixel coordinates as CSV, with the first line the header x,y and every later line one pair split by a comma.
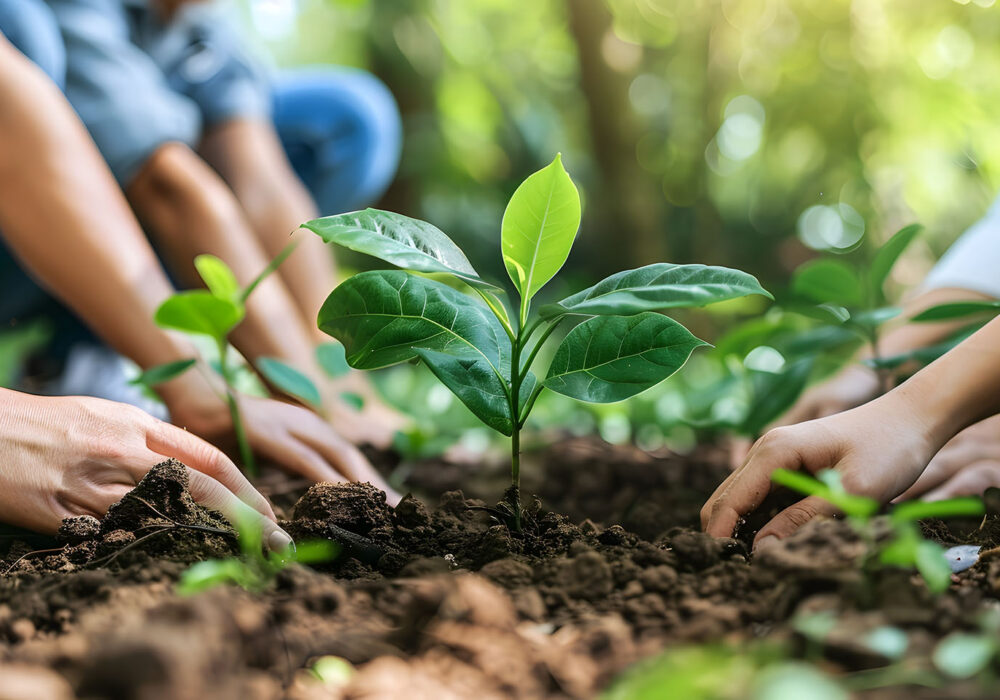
x,y
739,448
171,441
747,487
793,517
302,459
972,480
213,494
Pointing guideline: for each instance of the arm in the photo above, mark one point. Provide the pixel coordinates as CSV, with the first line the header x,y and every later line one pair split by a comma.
x,y
880,448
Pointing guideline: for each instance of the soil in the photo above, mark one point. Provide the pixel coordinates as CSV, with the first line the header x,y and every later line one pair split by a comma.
x,y
444,601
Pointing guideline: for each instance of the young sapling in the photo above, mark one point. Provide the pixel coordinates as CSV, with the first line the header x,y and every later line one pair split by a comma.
x,y
484,353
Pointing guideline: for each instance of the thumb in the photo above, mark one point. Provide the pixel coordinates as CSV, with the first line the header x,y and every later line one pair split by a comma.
x,y
213,494
793,517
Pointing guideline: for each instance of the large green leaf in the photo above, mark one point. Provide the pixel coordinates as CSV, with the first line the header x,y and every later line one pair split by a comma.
x,y
656,287
217,276
610,358
289,380
408,243
828,281
889,253
539,226
383,316
201,313
475,383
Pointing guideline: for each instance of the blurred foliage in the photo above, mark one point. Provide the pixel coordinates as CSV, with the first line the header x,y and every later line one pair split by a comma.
x,y
735,132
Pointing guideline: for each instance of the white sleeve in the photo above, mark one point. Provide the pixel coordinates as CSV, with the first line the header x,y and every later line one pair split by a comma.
x,y
973,262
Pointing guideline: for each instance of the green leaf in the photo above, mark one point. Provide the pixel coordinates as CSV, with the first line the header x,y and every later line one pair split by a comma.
x,y
964,507
408,243
870,319
289,380
383,316
889,253
933,566
201,313
314,552
962,655
921,356
773,394
828,281
268,271
851,505
214,572
476,385
353,399
958,309
539,227
610,358
217,276
332,360
163,373
890,642
657,287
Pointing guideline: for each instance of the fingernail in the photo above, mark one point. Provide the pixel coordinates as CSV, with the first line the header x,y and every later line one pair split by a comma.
x,y
279,541
764,543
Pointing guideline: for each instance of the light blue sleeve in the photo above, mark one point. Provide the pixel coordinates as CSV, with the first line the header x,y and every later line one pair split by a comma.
x,y
973,262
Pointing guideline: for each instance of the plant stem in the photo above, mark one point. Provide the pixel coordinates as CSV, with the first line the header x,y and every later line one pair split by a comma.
x,y
515,436
246,454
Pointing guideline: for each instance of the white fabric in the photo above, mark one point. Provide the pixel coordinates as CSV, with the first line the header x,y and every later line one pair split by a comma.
x,y
973,262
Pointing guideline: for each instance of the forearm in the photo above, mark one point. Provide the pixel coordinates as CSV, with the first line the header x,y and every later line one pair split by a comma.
x,y
249,157
958,389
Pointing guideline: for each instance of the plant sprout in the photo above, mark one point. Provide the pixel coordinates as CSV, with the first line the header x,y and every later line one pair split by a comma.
x,y
906,547
214,314
484,353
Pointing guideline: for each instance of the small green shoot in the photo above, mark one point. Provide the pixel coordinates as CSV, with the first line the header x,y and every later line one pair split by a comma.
x,y
484,353
215,313
907,546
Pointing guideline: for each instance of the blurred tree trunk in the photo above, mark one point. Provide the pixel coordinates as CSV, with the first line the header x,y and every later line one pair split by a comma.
x,y
627,209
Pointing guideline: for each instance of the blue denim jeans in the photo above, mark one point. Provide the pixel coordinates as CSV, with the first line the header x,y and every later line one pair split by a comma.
x,y
138,85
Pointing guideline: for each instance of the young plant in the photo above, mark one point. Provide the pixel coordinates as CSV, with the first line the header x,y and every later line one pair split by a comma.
x,y
483,353
906,547
253,570
214,314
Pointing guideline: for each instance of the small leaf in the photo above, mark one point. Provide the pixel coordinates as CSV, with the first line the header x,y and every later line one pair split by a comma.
x,y
315,552
964,507
890,642
383,316
217,276
268,271
870,319
655,288
886,257
852,505
828,281
610,358
352,399
933,566
200,313
408,243
163,373
476,385
962,655
539,227
958,309
332,359
214,572
289,380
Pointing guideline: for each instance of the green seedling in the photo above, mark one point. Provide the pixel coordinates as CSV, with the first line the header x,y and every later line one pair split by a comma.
x,y
906,547
253,570
214,314
484,353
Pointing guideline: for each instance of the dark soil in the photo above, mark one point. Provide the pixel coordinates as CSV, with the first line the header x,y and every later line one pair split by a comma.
x,y
447,602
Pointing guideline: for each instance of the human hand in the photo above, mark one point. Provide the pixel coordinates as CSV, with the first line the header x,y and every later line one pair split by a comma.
x,y
293,437
849,388
966,466
70,456
879,449
375,424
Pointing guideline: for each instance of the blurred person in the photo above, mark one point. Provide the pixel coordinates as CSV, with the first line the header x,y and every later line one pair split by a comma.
x,y
66,219
969,463
197,136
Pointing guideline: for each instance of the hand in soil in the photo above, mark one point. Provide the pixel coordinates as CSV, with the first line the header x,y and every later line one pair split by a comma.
x,y
879,449
966,466
65,457
303,443
849,388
